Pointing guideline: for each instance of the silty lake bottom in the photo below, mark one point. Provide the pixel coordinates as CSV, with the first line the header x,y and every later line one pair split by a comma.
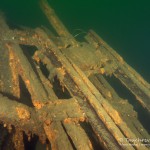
x,y
124,25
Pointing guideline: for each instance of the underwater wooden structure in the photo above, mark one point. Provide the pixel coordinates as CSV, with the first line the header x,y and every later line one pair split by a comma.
x,y
59,89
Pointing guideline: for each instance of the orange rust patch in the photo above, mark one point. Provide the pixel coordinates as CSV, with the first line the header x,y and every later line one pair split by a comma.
x,y
27,82
82,119
102,70
117,117
90,144
68,120
51,134
22,39
14,70
75,120
120,59
38,104
13,67
113,114
61,70
47,122
36,58
23,113
4,125
35,36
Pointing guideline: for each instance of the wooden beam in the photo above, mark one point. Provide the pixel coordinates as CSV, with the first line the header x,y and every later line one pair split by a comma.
x,y
56,23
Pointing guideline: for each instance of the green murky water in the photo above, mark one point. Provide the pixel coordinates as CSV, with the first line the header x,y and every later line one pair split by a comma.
x,y
124,25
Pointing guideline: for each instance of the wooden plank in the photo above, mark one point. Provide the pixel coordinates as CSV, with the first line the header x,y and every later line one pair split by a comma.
x,y
39,96
77,135
27,119
18,139
21,116
124,108
46,84
56,23
133,85
5,70
78,85
58,110
57,136
126,74
80,75
104,88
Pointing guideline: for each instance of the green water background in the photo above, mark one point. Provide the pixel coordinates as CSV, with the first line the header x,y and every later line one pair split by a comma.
x,y
124,25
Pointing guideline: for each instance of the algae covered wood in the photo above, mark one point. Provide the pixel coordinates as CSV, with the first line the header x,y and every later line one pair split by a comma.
x,y
78,135
127,75
58,137
56,23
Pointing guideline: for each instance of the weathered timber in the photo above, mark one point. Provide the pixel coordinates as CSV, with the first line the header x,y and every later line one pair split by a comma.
x,y
121,105
46,84
57,24
80,81
23,116
103,86
39,96
5,78
40,47
127,75
75,132
60,110
30,76
20,115
9,86
57,135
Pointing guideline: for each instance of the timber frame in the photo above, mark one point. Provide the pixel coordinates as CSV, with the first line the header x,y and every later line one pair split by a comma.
x,y
61,92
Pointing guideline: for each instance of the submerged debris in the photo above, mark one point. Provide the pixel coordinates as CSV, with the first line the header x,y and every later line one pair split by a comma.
x,y
82,110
